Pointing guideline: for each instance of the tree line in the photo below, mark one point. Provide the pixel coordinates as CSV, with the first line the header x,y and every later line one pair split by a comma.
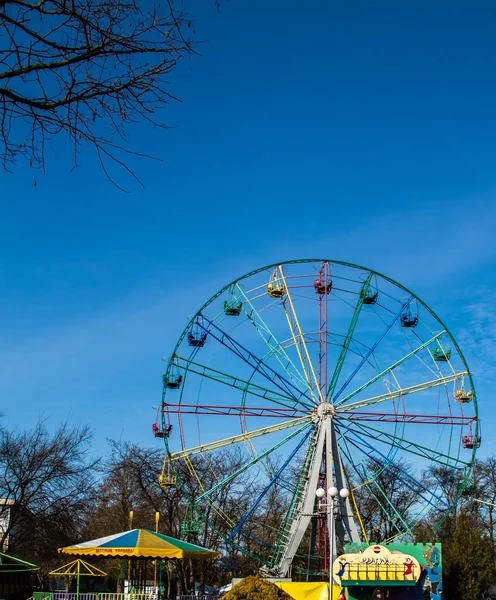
x,y
58,493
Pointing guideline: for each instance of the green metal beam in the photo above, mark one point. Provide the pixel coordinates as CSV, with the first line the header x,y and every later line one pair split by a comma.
x,y
284,528
391,368
409,446
275,347
349,336
251,463
371,478
236,382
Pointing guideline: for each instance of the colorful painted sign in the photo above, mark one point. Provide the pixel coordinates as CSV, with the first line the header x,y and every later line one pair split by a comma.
x,y
430,582
376,565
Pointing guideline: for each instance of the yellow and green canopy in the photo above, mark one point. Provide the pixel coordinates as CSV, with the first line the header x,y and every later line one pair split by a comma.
x,y
139,543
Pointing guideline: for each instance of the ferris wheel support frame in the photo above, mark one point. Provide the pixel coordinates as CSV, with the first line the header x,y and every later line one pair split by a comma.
x,y
326,452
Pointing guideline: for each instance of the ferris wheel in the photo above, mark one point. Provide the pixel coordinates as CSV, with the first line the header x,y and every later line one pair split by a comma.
x,y
314,374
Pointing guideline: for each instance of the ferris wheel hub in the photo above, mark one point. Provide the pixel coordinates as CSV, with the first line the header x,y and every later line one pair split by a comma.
x,y
325,409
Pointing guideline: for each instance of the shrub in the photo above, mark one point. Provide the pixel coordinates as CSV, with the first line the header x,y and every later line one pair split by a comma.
x,y
255,588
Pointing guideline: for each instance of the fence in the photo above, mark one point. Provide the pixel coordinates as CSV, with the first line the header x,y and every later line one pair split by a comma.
x,y
112,596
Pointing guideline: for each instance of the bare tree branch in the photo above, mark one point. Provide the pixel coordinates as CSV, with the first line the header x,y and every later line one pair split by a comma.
x,y
87,68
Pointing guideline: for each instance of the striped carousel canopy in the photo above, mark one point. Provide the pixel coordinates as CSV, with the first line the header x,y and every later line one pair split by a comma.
x,y
139,543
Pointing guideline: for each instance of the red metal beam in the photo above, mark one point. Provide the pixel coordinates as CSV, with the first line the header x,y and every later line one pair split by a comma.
x,y
405,418
236,411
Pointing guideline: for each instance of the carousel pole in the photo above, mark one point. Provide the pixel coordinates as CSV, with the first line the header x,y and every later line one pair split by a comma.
x,y
128,560
77,579
157,518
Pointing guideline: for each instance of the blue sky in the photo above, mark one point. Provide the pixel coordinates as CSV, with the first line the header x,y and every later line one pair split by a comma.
x,y
357,131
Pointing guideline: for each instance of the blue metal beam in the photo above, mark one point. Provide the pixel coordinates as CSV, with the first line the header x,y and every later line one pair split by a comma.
x,y
372,350
257,363
270,484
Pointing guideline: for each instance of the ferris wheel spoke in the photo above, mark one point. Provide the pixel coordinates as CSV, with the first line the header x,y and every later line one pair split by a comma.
x,y
242,437
271,483
235,382
369,479
407,445
275,347
231,411
372,349
410,447
240,547
405,418
299,341
384,462
387,370
258,364
294,504
252,462
420,387
349,336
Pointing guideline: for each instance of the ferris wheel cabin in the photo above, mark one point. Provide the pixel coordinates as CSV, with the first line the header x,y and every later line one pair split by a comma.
x,y
167,480
173,380
370,296
408,319
233,305
441,355
191,522
462,396
322,285
197,335
159,433
471,441
467,490
276,287
232,310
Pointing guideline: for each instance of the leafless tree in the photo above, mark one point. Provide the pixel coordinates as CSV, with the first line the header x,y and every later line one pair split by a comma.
x,y
130,482
88,68
387,501
47,481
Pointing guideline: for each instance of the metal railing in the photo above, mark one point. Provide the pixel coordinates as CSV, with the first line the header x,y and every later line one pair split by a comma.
x,y
379,572
200,597
103,596
116,596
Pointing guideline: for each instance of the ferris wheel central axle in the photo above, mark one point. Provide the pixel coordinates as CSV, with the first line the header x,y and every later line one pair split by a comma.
x,y
326,409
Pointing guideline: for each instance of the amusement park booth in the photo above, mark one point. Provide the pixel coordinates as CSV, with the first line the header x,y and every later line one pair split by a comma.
x,y
390,572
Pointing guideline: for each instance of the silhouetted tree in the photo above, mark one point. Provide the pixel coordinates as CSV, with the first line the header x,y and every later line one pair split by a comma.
x,y
130,482
50,480
387,499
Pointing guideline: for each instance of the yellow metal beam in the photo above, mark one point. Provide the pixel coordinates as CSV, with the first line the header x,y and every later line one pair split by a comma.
x,y
242,437
299,341
74,568
420,387
214,507
484,502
